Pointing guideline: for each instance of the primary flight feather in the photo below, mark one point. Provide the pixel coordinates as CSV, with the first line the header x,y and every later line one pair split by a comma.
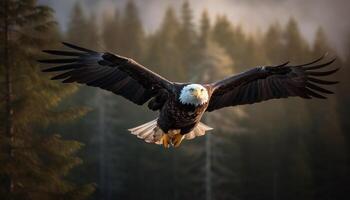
x,y
181,105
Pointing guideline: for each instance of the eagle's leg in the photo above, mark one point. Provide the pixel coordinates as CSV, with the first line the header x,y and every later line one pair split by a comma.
x,y
175,137
166,140
176,140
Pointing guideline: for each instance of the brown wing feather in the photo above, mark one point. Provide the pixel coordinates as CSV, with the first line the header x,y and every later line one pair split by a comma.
x,y
115,73
271,82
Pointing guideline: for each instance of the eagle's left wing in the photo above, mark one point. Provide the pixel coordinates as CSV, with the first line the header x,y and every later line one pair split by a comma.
x,y
271,82
120,75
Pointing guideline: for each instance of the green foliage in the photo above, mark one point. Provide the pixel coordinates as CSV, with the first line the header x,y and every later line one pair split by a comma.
x,y
81,29
34,164
160,53
232,40
131,42
204,29
111,33
295,48
186,41
77,26
273,43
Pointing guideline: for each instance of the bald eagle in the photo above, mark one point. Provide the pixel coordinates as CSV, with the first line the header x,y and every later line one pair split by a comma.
x,y
182,105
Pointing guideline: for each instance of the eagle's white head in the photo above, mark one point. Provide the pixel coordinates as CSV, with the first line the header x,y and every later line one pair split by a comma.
x,y
194,94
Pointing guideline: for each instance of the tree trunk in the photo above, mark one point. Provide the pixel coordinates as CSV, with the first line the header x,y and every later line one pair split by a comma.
x,y
8,96
208,172
101,130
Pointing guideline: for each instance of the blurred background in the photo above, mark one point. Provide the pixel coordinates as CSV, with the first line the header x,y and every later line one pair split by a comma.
x,y
62,141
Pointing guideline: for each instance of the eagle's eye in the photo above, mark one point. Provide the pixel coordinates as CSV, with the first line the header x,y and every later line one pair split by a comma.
x,y
202,90
191,89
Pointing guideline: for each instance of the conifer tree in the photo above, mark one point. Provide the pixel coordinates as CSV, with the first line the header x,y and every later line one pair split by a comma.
x,y
343,102
331,123
273,43
254,54
77,26
116,140
296,48
320,45
233,40
162,54
215,64
186,40
205,29
33,164
92,34
82,30
111,33
222,30
132,35
187,28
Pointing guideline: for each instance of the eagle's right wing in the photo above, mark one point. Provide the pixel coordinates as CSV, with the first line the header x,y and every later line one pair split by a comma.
x,y
271,82
120,75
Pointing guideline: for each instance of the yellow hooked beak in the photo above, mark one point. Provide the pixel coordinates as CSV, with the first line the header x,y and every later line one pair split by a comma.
x,y
196,93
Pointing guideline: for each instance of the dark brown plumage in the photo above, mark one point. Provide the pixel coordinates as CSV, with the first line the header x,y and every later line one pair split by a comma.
x,y
123,76
272,82
118,74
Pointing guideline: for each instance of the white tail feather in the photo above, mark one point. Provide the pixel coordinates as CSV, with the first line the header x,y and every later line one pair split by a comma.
x,y
199,130
151,133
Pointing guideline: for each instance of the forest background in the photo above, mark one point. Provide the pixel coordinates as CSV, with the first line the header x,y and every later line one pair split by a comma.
x,y
62,141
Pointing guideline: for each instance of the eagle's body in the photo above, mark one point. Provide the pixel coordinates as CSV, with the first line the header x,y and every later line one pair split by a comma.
x,y
182,105
176,115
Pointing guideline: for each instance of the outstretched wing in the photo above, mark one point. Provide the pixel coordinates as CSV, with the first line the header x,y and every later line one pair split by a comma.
x,y
120,75
271,82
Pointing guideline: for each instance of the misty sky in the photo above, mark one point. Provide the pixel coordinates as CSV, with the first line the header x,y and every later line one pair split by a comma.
x,y
253,15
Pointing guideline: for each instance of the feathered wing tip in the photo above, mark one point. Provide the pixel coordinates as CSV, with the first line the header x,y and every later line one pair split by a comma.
x,y
151,133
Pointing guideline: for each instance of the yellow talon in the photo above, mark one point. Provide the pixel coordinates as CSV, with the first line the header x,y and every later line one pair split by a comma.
x,y
172,138
176,139
166,141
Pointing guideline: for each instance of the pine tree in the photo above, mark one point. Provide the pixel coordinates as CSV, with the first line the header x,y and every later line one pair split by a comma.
x,y
132,36
162,55
187,28
205,29
111,33
81,29
254,53
92,35
33,164
222,30
273,43
77,26
186,41
344,98
114,139
321,45
221,145
233,40
296,48
292,136
333,147
215,64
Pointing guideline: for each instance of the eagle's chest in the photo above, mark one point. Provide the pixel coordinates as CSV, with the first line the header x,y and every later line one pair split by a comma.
x,y
180,114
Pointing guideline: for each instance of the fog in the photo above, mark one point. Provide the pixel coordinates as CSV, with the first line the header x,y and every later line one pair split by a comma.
x,y
252,15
